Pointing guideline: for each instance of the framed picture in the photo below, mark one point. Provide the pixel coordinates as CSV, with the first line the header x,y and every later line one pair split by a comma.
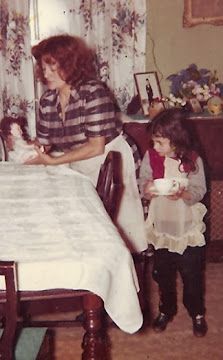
x,y
148,89
202,12
195,105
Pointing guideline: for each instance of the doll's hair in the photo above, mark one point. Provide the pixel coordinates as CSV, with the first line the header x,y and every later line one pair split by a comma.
x,y
7,121
172,124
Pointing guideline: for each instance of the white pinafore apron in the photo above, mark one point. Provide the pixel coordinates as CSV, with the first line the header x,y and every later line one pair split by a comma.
x,y
130,217
172,224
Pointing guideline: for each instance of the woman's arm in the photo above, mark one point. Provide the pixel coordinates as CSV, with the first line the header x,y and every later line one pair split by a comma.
x,y
94,147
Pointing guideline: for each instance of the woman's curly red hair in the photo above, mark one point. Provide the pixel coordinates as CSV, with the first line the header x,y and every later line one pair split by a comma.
x,y
76,60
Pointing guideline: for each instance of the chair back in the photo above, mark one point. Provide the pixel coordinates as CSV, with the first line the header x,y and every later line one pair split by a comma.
x,y
110,184
3,152
8,271
28,343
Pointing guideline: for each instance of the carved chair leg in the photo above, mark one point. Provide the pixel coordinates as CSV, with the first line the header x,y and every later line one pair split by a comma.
x,y
94,342
7,344
140,261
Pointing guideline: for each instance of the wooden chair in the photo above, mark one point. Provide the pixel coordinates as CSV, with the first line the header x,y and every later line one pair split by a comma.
x,y
3,152
110,188
19,303
109,185
28,343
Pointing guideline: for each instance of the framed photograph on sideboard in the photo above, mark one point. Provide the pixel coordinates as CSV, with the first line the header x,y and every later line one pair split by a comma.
x,y
148,88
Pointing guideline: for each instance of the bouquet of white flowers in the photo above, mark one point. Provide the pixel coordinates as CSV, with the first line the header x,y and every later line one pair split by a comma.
x,y
193,83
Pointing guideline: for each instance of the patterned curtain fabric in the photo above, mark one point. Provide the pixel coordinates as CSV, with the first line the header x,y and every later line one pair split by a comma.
x,y
16,67
116,29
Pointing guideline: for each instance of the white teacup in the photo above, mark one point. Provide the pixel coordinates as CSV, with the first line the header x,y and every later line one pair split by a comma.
x,y
183,182
166,186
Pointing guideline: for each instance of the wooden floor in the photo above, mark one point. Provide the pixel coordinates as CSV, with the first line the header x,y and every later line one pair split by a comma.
x,y
176,343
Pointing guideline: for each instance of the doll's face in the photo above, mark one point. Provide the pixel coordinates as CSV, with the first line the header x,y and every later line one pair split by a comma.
x,y
16,130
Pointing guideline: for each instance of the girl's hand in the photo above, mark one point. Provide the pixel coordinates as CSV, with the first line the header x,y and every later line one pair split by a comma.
x,y
182,193
148,194
41,158
176,195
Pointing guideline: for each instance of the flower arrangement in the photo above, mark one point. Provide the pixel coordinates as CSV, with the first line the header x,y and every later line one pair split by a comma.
x,y
193,83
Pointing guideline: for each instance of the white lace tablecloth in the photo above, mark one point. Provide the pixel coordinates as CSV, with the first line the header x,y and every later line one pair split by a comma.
x,y
53,224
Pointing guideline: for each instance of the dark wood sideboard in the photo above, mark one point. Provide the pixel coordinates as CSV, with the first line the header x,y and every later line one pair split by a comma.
x,y
208,132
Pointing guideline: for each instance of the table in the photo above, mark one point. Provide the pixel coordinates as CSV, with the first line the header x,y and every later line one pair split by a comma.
x,y
55,227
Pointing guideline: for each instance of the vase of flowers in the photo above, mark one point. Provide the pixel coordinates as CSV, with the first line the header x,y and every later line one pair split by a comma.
x,y
192,82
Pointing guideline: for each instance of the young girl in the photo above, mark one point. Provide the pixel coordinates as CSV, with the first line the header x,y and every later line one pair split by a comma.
x,y
175,221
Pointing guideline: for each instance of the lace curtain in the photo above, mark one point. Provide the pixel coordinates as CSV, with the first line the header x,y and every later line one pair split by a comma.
x,y
117,30
16,67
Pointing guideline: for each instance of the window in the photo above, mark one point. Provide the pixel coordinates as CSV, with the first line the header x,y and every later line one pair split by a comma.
x,y
48,18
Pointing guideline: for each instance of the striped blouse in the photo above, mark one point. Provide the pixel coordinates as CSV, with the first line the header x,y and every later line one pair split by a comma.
x,y
91,112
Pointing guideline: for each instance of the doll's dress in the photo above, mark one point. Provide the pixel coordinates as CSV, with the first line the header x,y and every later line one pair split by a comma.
x,y
22,151
172,224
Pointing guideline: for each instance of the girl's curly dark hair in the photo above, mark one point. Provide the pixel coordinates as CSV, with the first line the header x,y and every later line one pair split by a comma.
x,y
172,124
76,60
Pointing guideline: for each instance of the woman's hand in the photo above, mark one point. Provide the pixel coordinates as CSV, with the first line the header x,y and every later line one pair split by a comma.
x,y
41,158
93,147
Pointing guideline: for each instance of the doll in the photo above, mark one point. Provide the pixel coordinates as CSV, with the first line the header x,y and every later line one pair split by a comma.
x,y
18,145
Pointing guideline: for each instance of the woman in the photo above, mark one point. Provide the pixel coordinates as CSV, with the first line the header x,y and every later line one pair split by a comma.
x,y
78,118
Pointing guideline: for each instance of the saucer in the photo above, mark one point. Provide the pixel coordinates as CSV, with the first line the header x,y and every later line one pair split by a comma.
x,y
156,192
183,182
